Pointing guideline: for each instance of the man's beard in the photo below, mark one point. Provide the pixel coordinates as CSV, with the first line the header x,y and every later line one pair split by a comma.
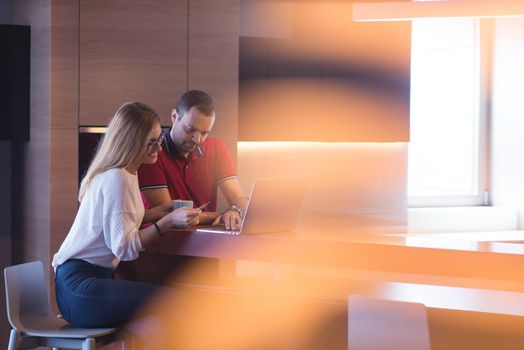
x,y
188,146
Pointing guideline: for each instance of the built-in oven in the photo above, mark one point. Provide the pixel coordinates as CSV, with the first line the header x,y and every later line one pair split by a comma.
x,y
88,140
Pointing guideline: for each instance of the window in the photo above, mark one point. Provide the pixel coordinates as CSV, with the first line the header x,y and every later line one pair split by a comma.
x,y
446,162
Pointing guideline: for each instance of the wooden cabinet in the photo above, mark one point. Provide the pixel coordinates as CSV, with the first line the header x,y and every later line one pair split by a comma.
x,y
153,51
131,50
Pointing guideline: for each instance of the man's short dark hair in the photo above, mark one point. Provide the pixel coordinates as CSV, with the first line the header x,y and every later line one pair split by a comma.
x,y
202,100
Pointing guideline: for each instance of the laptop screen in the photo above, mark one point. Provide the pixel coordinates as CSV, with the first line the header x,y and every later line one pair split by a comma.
x,y
274,206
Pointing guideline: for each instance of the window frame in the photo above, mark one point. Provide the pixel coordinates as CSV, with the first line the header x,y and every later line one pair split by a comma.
x,y
483,60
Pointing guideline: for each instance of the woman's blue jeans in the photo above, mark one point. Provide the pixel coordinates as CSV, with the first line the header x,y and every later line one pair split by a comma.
x,y
89,295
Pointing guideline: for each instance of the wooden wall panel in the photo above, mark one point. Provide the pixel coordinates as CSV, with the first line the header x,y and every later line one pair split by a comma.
x,y
64,120
213,61
131,50
48,186
32,223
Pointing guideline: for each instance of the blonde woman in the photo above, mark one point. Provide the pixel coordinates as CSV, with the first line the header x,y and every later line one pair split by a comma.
x,y
107,230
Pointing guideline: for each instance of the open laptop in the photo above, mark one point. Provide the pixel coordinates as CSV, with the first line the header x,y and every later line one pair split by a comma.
x,y
274,206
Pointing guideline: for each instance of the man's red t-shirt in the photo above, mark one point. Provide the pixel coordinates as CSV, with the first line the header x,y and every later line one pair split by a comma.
x,y
195,178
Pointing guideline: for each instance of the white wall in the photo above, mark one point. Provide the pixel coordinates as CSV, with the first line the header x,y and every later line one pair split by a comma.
x,y
352,186
507,119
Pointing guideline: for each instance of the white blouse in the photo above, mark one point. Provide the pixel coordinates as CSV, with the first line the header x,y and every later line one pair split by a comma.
x,y
105,230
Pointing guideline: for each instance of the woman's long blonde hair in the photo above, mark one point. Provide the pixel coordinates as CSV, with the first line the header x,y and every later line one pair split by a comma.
x,y
124,143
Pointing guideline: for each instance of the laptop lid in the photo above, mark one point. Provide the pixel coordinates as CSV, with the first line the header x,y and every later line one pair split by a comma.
x,y
274,206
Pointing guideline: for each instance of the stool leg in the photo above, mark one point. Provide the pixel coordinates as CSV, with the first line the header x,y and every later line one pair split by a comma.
x,y
88,344
14,339
127,343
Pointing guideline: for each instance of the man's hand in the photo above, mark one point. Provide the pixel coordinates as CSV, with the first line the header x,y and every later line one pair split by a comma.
x,y
230,218
237,200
